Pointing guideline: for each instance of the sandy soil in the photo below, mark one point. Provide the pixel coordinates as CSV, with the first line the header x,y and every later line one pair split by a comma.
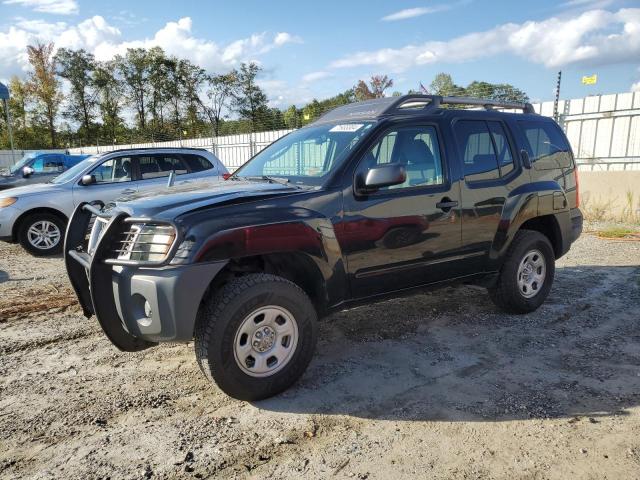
x,y
438,385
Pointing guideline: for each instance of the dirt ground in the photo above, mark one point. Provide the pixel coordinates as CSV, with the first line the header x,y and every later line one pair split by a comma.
x,y
438,385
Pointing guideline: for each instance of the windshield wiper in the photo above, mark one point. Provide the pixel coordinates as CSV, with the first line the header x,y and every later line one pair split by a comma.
x,y
279,180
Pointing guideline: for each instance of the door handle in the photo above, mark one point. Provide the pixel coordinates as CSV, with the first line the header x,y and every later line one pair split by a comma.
x,y
446,204
128,190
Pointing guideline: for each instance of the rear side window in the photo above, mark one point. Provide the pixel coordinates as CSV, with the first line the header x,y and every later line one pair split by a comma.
x,y
196,163
546,145
484,149
156,166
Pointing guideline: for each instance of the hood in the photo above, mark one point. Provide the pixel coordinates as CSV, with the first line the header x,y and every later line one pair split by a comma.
x,y
31,189
169,202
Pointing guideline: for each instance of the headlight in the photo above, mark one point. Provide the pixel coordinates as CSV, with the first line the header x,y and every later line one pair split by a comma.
x,y
7,201
147,242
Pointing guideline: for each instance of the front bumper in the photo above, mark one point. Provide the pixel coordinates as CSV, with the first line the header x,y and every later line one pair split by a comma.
x,y
136,307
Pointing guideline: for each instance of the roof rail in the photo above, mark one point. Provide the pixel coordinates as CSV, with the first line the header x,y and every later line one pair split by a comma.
x,y
412,103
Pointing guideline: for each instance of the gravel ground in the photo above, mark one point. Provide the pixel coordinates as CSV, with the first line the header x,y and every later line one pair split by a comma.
x,y
438,385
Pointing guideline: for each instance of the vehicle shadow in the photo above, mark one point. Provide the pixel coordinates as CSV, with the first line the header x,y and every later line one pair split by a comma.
x,y
452,356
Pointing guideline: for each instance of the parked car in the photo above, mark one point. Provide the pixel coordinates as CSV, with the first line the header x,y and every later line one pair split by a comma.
x,y
374,200
36,215
38,168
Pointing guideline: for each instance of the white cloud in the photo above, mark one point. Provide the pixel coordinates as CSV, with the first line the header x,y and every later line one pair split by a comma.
x,y
415,12
315,76
595,37
283,38
105,41
60,7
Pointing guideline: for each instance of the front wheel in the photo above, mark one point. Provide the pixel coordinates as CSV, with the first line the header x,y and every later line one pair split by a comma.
x,y
526,275
255,337
42,234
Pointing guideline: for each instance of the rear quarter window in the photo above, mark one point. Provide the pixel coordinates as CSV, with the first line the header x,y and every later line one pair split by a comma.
x,y
197,163
546,145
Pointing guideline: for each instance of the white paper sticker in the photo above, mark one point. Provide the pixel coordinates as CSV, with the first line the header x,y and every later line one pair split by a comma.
x,y
347,127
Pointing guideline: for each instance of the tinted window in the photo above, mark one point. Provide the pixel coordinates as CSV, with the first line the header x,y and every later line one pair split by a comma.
x,y
156,166
53,164
501,144
547,146
196,163
416,148
113,170
476,149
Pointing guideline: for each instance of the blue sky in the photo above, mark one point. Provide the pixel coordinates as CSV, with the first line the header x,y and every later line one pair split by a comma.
x,y
316,49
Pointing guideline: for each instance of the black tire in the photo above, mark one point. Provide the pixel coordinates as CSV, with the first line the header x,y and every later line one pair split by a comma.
x,y
29,221
223,314
506,292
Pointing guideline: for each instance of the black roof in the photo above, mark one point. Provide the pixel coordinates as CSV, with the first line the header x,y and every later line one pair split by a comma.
x,y
412,104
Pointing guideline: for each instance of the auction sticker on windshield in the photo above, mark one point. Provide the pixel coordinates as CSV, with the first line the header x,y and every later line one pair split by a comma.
x,y
347,127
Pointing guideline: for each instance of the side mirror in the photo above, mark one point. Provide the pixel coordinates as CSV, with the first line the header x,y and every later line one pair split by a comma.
x,y
383,176
27,172
88,180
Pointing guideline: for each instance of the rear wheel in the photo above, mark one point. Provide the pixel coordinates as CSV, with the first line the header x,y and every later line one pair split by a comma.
x,y
42,234
255,337
526,275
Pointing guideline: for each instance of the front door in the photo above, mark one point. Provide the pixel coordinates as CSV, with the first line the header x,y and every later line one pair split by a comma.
x,y
113,180
404,235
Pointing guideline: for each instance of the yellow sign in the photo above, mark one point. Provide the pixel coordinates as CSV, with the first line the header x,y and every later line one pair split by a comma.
x,y
592,80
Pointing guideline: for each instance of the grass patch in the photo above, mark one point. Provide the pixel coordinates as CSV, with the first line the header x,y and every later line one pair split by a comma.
x,y
618,232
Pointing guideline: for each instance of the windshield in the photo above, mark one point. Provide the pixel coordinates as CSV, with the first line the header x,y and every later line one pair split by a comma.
x,y
22,162
75,170
306,157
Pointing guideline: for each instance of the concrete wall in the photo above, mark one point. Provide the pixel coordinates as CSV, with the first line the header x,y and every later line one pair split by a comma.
x,y
615,193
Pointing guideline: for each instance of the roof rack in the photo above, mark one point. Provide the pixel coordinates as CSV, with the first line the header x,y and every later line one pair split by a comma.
x,y
413,103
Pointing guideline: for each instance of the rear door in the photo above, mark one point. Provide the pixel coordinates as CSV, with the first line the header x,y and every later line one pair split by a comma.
x,y
404,235
113,179
490,170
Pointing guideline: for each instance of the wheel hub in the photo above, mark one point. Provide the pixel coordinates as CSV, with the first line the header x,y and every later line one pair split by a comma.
x,y
531,273
263,339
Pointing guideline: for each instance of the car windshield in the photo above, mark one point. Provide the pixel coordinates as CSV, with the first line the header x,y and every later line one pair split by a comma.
x,y
307,156
22,162
75,170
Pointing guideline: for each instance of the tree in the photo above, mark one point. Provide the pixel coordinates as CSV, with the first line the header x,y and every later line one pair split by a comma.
x,y
135,68
443,85
192,79
77,67
375,88
43,85
220,91
109,88
249,100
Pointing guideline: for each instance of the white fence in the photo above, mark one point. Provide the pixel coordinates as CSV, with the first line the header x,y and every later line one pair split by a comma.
x,y
604,132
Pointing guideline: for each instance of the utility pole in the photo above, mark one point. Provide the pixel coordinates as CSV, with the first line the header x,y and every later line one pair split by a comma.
x,y
557,99
4,95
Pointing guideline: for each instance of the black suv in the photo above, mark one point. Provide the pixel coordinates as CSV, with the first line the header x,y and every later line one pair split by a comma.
x,y
373,200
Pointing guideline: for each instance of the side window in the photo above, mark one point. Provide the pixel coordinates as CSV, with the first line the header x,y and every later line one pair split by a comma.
x,y
161,165
38,164
113,170
476,149
52,164
196,163
547,147
416,148
503,150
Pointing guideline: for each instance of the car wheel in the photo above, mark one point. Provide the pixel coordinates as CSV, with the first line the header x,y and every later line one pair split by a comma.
x,y
255,337
526,275
42,234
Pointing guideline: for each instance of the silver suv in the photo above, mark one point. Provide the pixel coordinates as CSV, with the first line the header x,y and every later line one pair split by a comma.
x,y
36,215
